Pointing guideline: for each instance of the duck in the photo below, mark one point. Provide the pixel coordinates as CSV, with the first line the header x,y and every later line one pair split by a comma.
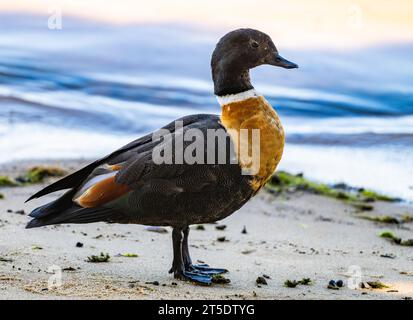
x,y
135,184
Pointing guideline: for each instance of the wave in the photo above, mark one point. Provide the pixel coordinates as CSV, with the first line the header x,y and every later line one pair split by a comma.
x,y
127,104
89,88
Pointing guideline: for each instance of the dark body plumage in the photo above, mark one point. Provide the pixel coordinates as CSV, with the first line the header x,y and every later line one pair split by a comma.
x,y
160,194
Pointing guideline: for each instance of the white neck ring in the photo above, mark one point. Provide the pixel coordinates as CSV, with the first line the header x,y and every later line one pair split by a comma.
x,y
231,98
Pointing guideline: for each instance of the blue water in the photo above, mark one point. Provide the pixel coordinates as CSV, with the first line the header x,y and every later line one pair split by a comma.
x,y
89,88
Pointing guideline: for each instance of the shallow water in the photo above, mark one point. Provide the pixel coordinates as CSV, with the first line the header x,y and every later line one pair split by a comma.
x,y
89,88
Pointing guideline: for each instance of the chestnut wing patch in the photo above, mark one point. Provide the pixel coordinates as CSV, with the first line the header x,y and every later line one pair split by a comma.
x,y
102,192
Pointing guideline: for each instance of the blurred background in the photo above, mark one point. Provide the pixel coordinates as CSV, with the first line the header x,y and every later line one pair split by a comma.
x,y
81,78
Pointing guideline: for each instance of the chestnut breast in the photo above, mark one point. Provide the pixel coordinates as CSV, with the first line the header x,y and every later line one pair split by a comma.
x,y
256,113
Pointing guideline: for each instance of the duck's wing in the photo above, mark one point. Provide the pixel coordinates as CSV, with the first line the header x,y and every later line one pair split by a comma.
x,y
133,173
142,144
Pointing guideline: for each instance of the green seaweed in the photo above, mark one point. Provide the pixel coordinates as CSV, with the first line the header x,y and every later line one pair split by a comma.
x,y
1,196
390,236
387,235
218,278
376,196
103,257
362,206
5,181
293,283
284,181
305,281
377,285
129,255
39,173
381,219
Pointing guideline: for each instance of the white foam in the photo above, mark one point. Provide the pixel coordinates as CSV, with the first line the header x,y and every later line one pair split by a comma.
x,y
386,170
39,141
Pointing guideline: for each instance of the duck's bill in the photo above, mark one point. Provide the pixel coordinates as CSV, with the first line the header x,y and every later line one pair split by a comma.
x,y
279,61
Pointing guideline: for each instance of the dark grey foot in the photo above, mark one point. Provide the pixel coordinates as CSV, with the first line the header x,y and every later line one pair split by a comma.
x,y
205,269
196,277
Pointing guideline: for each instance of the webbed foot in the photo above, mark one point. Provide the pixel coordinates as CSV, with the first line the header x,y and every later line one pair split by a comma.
x,y
205,269
199,278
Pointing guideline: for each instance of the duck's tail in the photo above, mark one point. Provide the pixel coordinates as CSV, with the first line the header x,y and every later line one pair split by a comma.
x,y
77,215
64,210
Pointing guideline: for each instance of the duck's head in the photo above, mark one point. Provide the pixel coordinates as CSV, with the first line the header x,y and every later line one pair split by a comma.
x,y
236,53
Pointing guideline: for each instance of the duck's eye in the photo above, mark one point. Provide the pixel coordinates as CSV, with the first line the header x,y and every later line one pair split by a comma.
x,y
255,44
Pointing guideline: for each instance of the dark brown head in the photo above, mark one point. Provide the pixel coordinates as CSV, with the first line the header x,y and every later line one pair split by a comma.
x,y
236,53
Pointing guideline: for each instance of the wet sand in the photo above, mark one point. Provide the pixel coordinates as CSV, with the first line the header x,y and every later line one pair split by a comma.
x,y
290,236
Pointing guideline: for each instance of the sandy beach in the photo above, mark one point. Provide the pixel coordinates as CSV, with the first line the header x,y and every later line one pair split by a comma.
x,y
290,236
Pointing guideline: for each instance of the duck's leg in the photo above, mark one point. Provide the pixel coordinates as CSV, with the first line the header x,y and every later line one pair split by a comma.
x,y
199,268
178,267
185,249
